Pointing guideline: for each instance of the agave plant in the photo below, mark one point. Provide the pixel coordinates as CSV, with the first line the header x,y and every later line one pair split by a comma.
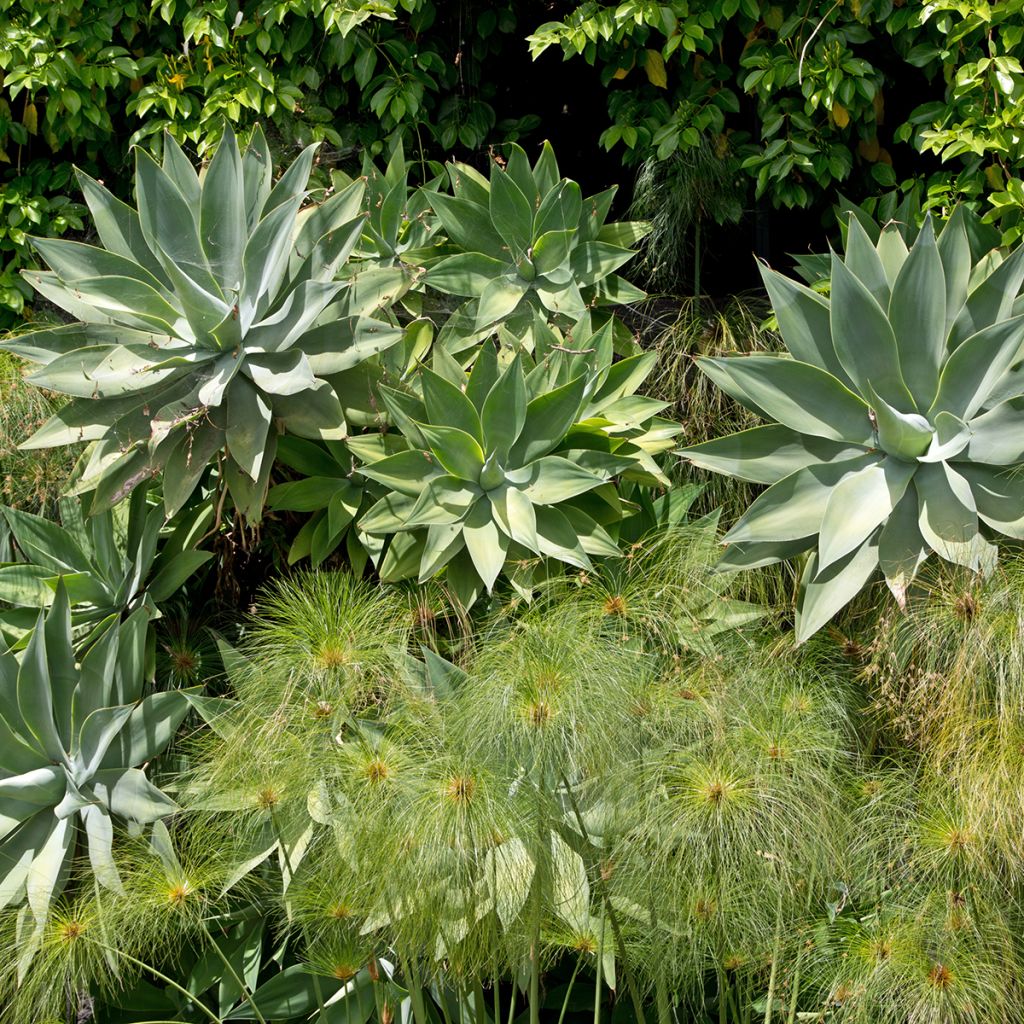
x,y
109,563
210,319
513,463
74,740
900,421
525,240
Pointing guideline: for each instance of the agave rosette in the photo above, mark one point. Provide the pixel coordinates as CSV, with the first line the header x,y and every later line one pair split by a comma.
x,y
899,419
511,463
526,240
74,741
210,321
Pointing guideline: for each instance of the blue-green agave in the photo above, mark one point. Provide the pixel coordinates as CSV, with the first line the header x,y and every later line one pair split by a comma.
x,y
515,461
898,418
75,737
211,319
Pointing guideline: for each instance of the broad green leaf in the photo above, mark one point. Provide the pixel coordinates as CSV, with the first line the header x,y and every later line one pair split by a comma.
x,y
407,472
35,699
511,212
864,339
49,868
106,372
551,479
557,538
486,544
764,455
504,410
560,209
997,436
445,500
955,253
917,313
803,318
44,543
794,507
999,496
98,731
865,264
593,261
315,414
594,538
901,548
469,226
552,250
248,425
498,300
992,299
388,514
130,795
309,495
892,251
446,404
287,995
516,515
825,592
947,514
466,273
458,452
977,366
798,395
152,725
548,419
222,219
443,542
859,504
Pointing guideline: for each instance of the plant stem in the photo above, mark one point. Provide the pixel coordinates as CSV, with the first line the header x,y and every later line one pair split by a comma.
x,y
419,1010
207,1012
775,963
597,972
568,991
512,1003
234,974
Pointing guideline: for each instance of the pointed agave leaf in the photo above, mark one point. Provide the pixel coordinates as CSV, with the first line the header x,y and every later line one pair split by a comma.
x,y
864,339
999,496
169,224
865,264
257,175
446,404
976,367
552,479
947,513
997,436
825,592
803,318
499,299
468,224
765,455
118,225
98,731
130,795
222,221
952,435
917,312
291,186
901,548
548,419
467,273
955,253
443,542
35,698
557,538
504,410
858,505
405,472
49,868
99,832
798,395
992,299
892,251
486,544
794,507
511,213
248,425
516,515
560,209
459,452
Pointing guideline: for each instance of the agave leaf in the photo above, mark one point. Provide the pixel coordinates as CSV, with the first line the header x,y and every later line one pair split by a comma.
x,y
406,472
515,514
548,419
955,253
865,264
511,212
794,507
504,410
901,547
553,479
129,794
999,496
49,867
905,435
118,225
445,403
803,318
800,396
248,426
222,218
864,339
991,300
458,452
947,511
557,538
997,436
824,592
485,543
858,505
468,224
977,366
561,209
99,831
765,455
499,299
917,312
892,250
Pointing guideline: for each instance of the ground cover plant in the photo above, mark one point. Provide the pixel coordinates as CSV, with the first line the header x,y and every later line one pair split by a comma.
x,y
382,660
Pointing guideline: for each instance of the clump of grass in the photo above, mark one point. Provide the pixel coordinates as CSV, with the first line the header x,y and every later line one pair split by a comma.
x,y
29,480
